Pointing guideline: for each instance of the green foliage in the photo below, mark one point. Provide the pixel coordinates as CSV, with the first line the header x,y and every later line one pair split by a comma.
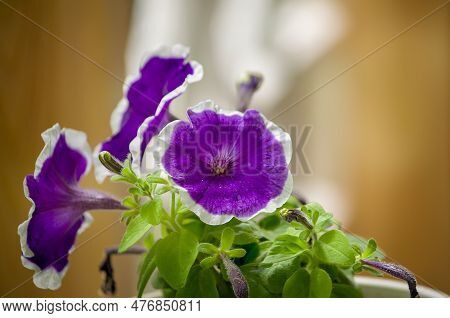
x,y
370,249
209,261
227,238
297,251
321,219
156,179
274,276
320,284
208,248
163,189
297,285
151,211
175,255
361,244
201,283
147,268
236,253
285,247
333,247
134,232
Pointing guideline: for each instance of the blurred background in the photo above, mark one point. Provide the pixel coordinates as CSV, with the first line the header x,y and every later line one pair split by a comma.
x,y
379,146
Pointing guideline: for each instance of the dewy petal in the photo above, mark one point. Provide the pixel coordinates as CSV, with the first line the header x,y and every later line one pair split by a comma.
x,y
142,112
247,155
58,211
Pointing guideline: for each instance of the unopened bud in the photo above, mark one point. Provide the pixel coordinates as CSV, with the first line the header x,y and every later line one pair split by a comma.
x,y
296,215
110,163
396,271
247,85
237,279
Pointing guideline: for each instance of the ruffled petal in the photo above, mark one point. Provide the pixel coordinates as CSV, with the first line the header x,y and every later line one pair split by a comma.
x,y
225,163
58,212
142,112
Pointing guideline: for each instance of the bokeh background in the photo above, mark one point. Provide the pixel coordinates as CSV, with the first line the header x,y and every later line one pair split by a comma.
x,y
379,147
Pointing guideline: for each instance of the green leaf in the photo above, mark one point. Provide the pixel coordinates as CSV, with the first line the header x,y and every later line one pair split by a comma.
x,y
154,179
149,241
345,291
320,286
252,251
333,247
151,211
338,274
209,261
236,253
175,255
362,243
195,226
320,218
135,230
297,286
252,274
357,267
285,247
135,191
270,222
227,238
243,238
313,210
117,178
129,174
129,202
357,249
207,248
147,268
201,283
275,276
127,214
370,249
163,189
245,233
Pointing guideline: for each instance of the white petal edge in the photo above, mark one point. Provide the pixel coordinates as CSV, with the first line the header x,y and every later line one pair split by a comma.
x,y
135,145
162,142
48,278
175,51
76,140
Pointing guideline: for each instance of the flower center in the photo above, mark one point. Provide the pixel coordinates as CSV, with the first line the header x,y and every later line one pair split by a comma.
x,y
222,163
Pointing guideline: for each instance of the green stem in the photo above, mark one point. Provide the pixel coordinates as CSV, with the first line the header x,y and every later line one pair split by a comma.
x,y
173,206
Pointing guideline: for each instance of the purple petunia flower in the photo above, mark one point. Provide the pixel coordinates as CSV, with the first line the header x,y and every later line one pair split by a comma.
x,y
143,110
58,211
226,163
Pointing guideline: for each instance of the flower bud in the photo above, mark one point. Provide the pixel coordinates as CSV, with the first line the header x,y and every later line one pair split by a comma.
x,y
110,163
247,85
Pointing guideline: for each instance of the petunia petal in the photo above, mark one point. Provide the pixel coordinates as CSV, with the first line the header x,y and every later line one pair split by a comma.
x,y
252,155
165,75
58,213
153,124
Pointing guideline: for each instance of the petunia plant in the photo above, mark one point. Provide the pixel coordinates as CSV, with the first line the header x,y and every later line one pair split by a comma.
x,y
210,205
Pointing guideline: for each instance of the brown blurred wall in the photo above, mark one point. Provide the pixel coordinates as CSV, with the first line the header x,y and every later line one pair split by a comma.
x,y
43,82
380,131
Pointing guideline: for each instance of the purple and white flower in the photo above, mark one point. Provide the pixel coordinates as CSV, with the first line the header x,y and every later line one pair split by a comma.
x,y
143,110
226,163
58,212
